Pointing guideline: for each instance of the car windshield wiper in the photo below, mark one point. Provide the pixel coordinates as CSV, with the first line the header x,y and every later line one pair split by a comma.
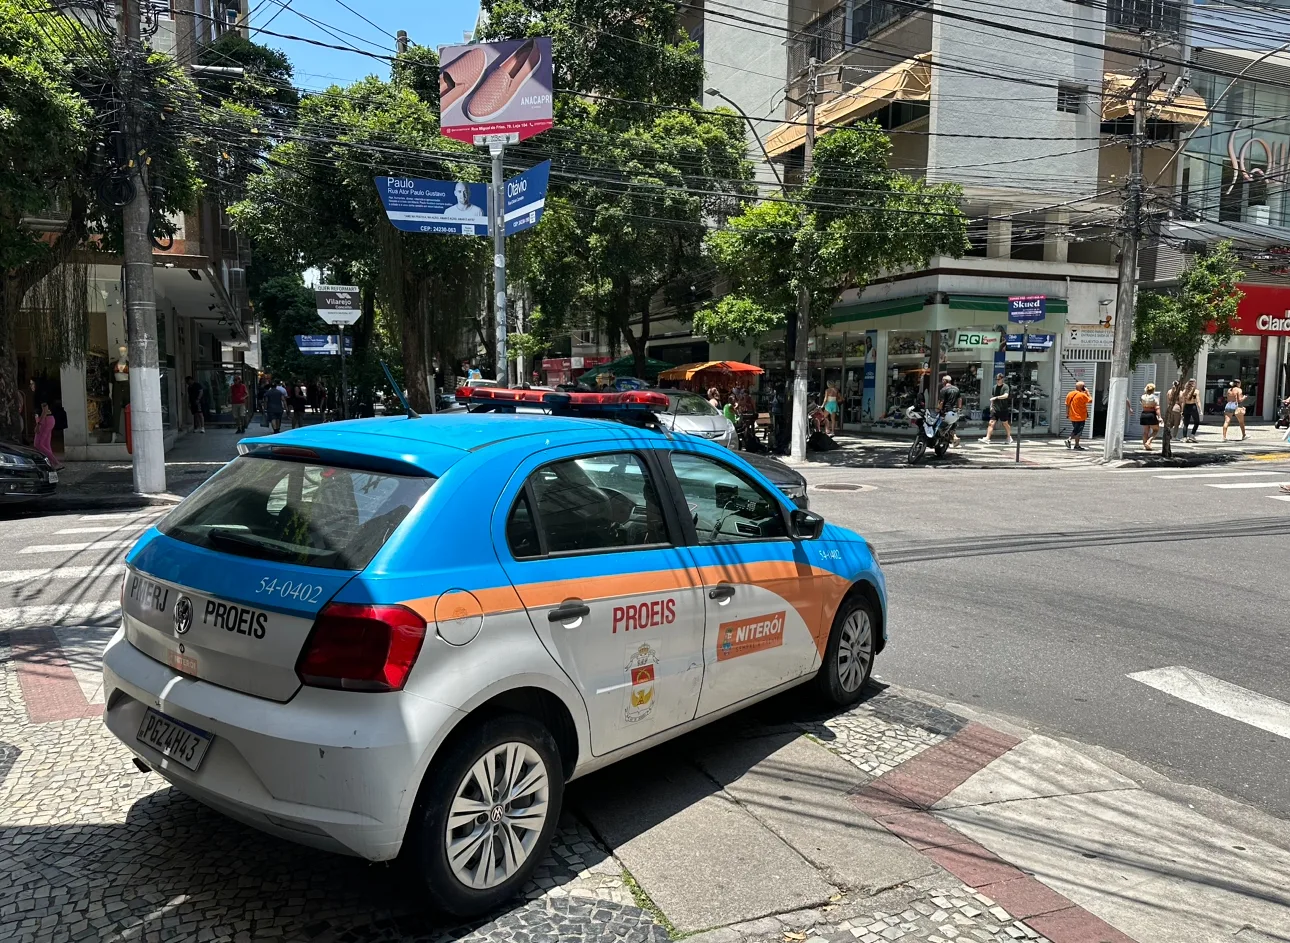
x,y
265,546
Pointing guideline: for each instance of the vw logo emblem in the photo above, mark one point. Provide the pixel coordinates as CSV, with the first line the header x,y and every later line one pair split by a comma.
x,y
183,613
496,814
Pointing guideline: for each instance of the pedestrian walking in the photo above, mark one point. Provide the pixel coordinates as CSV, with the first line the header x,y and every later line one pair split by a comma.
x,y
1173,409
1234,408
275,400
237,396
297,401
950,403
196,404
43,440
1150,417
1077,403
1191,409
830,407
1000,408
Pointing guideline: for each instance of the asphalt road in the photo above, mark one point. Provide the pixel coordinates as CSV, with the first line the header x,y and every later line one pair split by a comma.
x,y
1034,594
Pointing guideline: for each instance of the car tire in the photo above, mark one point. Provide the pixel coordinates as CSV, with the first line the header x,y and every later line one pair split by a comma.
x,y
467,887
848,658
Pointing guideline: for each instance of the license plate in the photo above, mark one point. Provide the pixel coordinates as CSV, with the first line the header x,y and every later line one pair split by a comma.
x,y
175,739
53,478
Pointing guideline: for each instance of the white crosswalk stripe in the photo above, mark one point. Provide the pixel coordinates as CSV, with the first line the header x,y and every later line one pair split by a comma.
x,y
106,529
141,515
1239,474
16,617
62,573
72,548
1242,485
1221,697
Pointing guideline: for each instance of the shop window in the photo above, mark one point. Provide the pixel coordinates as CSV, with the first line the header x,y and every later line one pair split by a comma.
x,y
1070,98
1231,198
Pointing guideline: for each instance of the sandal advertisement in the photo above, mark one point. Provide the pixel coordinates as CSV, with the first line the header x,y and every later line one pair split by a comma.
x,y
494,93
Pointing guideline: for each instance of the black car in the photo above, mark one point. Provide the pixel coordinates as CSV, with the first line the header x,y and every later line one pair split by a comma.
x,y
24,474
781,476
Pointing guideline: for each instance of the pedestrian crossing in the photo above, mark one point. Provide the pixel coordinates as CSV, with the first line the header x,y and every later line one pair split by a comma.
x,y
1219,696
1257,484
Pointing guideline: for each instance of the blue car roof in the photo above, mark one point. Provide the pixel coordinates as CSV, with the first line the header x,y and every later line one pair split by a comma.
x,y
436,442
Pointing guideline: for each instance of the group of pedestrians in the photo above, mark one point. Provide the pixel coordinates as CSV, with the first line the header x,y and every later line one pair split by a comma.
x,y
276,399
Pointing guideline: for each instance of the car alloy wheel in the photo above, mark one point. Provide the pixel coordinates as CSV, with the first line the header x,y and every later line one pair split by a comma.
x,y
855,650
497,815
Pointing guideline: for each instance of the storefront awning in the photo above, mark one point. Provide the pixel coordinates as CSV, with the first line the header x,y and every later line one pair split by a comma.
x,y
1118,102
910,80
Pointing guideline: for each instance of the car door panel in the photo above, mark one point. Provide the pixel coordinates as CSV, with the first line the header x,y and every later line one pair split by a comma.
x,y
625,624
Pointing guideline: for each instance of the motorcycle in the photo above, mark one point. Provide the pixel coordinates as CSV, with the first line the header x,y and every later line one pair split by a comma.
x,y
1283,418
934,431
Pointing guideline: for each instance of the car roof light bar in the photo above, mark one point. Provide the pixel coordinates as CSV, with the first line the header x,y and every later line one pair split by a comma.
x,y
565,404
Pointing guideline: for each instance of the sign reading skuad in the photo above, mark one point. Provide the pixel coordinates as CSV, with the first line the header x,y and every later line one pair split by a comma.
x,y
1027,308
495,93
526,198
435,206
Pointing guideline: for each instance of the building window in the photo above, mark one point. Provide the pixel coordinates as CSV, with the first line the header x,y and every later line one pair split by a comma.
x,y
1070,98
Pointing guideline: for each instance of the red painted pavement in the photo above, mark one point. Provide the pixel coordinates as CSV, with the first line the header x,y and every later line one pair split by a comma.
x,y
899,801
49,689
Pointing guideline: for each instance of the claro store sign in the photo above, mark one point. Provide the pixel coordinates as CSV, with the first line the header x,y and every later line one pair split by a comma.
x,y
1264,310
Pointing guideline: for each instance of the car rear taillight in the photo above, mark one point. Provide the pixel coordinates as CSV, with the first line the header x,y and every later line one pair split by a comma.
x,y
362,648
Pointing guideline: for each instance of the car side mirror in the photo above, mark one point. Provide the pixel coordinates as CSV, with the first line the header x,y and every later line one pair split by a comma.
x,y
805,525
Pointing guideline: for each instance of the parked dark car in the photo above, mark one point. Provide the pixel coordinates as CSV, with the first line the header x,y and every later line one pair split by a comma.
x,y
784,478
24,474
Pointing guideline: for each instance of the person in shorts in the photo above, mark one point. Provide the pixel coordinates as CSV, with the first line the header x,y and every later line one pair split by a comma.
x,y
1077,403
1150,417
1000,408
237,396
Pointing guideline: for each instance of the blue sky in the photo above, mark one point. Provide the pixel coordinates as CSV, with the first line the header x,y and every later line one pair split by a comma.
x,y
428,22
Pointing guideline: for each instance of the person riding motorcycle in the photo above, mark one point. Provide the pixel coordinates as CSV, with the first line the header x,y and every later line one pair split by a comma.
x,y
950,402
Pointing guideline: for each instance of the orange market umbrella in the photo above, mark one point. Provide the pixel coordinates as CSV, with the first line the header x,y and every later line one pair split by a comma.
x,y
722,367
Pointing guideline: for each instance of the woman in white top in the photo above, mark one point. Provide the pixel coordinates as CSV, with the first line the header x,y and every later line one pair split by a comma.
x,y
1150,419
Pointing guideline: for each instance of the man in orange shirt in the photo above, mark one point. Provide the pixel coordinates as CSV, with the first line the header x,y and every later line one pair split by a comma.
x,y
1077,402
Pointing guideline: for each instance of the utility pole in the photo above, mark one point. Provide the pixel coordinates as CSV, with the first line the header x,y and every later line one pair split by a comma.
x,y
148,444
499,261
1117,399
401,41
801,343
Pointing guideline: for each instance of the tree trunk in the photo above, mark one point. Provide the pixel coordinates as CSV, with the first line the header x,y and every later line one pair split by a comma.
x,y
640,348
11,419
416,377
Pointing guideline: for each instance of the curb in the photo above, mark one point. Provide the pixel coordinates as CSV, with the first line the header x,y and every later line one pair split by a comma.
x,y
127,502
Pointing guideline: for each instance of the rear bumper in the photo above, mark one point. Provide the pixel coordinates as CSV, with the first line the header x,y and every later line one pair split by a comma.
x,y
335,770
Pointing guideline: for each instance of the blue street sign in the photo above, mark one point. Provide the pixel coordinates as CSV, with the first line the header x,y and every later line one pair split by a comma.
x,y
318,344
1034,342
526,197
435,206
1023,310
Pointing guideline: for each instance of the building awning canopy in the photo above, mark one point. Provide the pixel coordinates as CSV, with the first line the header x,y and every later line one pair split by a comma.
x,y
1118,102
910,80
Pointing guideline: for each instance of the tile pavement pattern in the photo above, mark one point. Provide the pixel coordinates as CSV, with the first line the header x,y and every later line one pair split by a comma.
x,y
883,732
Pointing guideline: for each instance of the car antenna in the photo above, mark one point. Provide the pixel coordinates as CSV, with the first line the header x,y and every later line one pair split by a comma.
x,y
412,413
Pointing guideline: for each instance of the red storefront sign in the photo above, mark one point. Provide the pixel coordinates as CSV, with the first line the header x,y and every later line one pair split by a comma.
x,y
1265,310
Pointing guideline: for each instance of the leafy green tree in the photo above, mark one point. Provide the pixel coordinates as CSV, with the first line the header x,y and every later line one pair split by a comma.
x,y
62,104
1202,306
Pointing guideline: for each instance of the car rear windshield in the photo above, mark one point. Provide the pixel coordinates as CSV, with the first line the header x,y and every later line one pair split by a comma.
x,y
690,404
295,512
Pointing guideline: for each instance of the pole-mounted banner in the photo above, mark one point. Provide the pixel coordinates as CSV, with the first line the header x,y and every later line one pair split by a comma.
x,y
495,93
451,207
339,304
526,198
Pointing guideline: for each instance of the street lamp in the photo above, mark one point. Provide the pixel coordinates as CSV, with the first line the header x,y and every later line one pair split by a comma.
x,y
716,93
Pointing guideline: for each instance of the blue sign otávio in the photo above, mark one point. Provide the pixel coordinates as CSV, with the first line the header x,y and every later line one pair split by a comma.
x,y
320,344
526,198
1027,308
435,206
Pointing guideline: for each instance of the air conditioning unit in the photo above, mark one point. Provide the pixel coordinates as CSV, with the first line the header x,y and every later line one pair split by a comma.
x,y
237,280
1261,215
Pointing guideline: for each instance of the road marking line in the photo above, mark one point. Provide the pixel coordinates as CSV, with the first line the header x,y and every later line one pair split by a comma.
x,y
1252,484
1247,474
62,573
107,529
14,617
122,515
1279,497
68,548
1221,697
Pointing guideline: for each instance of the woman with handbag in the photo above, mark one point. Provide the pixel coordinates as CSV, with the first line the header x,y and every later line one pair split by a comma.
x,y
1150,418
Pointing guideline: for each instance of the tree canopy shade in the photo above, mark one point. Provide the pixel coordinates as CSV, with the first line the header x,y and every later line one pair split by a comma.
x,y
854,219
1203,305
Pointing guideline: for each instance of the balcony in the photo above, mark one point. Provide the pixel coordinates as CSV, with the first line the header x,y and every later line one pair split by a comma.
x,y
845,25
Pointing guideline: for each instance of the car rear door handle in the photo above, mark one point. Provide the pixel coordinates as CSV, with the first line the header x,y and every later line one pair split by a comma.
x,y
724,591
568,611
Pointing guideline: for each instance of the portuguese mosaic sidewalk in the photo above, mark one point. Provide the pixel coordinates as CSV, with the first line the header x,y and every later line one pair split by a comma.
x,y
809,811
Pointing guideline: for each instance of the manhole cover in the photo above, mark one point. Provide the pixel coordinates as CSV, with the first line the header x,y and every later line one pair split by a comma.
x,y
841,486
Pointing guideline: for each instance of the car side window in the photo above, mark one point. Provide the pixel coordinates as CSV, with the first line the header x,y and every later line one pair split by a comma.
x,y
598,502
725,505
521,530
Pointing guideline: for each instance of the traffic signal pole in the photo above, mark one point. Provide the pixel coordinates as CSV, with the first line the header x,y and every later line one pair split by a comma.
x,y
148,448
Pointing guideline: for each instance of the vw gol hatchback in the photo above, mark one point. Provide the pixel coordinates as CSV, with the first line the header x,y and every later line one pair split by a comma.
x,y
403,636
